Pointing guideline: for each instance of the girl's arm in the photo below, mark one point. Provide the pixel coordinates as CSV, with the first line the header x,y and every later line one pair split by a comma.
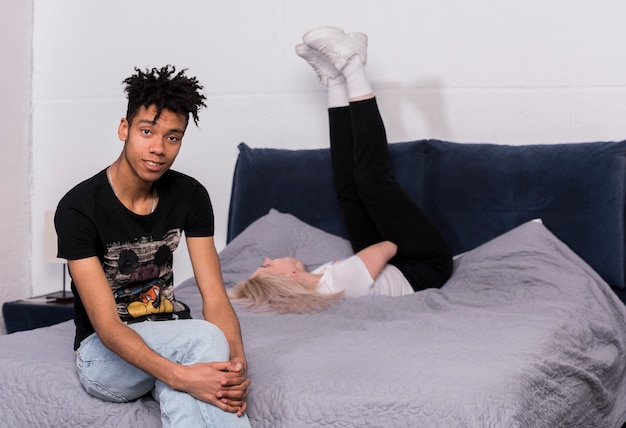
x,y
376,256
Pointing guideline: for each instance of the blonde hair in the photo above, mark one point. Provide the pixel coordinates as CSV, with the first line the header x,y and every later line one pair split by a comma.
x,y
271,292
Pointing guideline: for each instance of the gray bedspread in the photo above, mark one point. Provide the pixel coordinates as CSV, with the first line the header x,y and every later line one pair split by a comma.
x,y
39,386
524,334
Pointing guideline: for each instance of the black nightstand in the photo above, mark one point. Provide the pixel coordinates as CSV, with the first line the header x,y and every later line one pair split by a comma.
x,y
35,312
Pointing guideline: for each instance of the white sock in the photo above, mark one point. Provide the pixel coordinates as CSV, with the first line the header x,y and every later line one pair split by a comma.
x,y
356,78
337,92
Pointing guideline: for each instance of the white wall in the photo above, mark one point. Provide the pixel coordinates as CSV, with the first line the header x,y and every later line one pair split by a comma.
x,y
482,71
15,108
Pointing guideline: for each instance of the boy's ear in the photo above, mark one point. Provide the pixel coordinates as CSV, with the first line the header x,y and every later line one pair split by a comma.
x,y
122,130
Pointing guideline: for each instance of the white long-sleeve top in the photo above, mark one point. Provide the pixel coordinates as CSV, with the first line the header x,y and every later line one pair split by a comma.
x,y
351,276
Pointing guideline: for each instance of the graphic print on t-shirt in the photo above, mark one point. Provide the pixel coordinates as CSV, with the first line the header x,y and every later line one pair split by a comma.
x,y
140,274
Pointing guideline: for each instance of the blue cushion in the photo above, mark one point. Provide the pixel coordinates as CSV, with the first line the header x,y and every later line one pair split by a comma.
x,y
299,182
475,192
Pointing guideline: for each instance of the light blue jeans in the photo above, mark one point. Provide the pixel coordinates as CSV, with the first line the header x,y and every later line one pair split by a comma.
x,y
105,375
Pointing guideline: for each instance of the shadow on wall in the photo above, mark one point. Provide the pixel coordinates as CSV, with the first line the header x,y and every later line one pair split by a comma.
x,y
415,111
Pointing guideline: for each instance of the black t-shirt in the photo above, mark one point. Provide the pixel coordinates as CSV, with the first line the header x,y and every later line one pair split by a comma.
x,y
136,251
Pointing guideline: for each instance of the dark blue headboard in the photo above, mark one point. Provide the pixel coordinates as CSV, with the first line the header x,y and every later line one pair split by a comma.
x,y
473,192
299,182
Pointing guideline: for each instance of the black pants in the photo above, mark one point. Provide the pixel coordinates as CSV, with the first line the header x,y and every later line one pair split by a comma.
x,y
374,206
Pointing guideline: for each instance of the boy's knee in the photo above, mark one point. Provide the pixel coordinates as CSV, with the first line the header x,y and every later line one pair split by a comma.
x,y
210,341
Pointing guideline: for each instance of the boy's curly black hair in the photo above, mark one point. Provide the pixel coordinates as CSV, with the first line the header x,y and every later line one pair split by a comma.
x,y
165,89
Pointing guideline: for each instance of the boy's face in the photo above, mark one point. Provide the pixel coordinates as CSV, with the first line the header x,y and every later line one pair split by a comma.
x,y
150,147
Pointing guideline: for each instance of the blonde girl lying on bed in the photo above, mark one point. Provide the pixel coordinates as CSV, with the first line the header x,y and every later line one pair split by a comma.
x,y
398,250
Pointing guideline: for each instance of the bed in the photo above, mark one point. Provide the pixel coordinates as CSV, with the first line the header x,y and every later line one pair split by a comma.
x,y
529,331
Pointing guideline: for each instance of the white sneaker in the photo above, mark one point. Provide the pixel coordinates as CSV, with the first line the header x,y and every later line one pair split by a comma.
x,y
336,45
324,69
